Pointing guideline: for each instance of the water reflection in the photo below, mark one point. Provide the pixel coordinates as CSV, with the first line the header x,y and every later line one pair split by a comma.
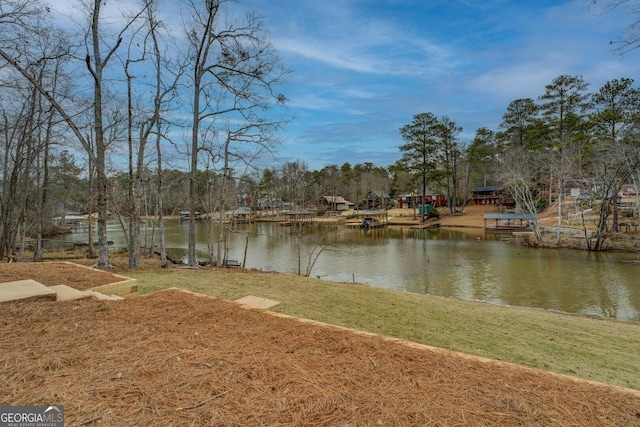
x,y
465,264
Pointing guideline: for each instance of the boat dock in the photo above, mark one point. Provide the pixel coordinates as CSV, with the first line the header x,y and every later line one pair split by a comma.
x,y
508,221
370,219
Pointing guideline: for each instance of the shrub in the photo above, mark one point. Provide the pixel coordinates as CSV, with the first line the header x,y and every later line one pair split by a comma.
x,y
433,214
541,204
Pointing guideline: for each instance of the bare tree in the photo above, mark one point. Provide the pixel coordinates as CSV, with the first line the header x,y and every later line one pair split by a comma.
x,y
616,157
50,70
234,75
617,104
237,149
614,162
96,63
161,91
23,17
22,116
629,38
18,131
27,144
292,181
632,139
519,177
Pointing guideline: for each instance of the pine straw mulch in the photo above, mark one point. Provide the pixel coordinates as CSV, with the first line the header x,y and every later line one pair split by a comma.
x,y
57,273
174,358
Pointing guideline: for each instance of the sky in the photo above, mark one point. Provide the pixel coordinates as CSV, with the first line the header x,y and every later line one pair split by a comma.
x,y
361,69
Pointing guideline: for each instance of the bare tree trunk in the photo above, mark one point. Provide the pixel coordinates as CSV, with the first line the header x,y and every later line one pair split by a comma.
x,y
246,249
135,182
193,175
23,235
615,226
14,193
6,194
42,200
96,65
193,200
221,204
90,252
559,213
30,138
44,183
159,183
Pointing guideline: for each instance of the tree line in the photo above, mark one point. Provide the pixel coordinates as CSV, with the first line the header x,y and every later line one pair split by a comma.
x,y
566,138
98,109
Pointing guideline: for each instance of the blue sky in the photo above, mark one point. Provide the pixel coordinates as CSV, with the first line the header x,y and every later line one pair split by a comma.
x,y
363,68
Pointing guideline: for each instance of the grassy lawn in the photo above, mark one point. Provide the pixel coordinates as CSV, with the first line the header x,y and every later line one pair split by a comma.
x,y
595,349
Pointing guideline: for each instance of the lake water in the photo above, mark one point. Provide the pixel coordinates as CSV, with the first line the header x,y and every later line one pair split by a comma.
x,y
464,264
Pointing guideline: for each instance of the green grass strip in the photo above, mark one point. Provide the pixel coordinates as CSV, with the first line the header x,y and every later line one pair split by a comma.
x,y
595,349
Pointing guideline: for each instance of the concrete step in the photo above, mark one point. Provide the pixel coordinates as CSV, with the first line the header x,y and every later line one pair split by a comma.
x,y
25,290
257,302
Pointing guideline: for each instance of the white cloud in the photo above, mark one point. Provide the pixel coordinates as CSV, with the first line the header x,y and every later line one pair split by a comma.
x,y
363,69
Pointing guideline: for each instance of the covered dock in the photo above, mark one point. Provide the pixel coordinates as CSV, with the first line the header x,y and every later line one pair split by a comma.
x,y
298,218
371,219
508,221
184,215
238,215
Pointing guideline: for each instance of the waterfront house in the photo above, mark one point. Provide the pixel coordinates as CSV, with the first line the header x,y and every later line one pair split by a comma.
x,y
411,201
489,195
335,203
